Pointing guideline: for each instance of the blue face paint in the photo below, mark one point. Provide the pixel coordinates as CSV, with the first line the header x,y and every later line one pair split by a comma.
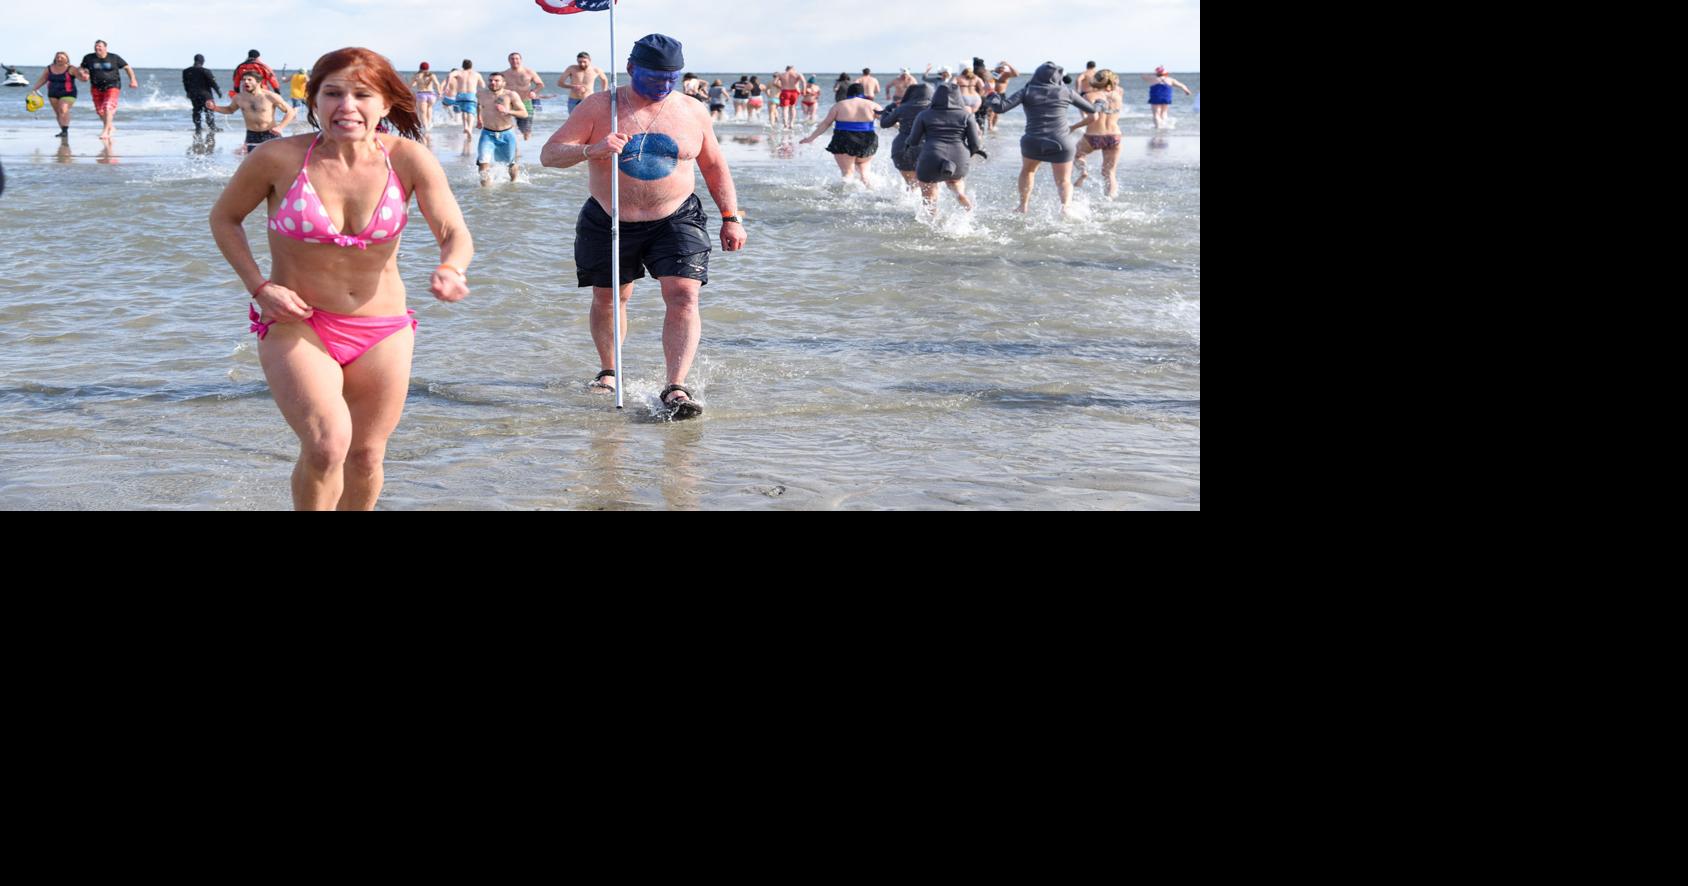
x,y
654,85
649,156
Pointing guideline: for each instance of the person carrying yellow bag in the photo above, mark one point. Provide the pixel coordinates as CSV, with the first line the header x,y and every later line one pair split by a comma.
x,y
60,79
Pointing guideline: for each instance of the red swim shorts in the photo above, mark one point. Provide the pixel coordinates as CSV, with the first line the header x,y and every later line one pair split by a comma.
x,y
788,98
105,100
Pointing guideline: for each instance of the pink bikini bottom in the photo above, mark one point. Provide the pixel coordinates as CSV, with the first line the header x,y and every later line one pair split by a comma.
x,y
346,337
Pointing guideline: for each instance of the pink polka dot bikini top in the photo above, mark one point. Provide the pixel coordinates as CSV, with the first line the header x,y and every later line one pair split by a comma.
x,y
303,217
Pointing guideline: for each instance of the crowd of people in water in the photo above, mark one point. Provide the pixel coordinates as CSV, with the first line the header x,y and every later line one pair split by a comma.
x,y
334,336
502,108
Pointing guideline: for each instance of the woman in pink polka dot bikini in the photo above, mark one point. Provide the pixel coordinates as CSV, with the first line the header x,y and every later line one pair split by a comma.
x,y
335,339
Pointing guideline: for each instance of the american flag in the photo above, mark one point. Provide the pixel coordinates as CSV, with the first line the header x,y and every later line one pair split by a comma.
x,y
558,7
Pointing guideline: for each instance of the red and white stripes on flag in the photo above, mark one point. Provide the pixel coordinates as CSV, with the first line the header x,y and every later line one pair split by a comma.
x,y
559,7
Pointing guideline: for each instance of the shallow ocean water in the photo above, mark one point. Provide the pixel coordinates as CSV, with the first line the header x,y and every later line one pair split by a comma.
x,y
853,356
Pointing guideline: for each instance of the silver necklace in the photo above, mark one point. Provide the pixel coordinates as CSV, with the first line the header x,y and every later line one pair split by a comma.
x,y
661,106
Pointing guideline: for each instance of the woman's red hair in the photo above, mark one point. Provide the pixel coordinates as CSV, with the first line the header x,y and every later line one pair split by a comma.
x,y
371,68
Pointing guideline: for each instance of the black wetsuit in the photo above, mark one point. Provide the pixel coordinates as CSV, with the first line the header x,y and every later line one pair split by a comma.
x,y
200,84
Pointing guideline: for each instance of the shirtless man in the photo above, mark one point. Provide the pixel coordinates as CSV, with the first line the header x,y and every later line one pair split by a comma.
x,y
1005,74
901,84
257,106
870,85
500,109
579,79
525,82
655,143
463,85
790,84
447,96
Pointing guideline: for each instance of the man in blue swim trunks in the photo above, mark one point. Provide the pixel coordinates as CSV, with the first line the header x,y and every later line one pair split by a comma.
x,y
500,108
579,78
461,88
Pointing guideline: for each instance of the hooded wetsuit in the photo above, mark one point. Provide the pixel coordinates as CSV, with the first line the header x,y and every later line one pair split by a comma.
x,y
1045,101
947,135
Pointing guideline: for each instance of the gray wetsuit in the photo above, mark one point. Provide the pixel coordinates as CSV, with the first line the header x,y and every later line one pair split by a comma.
x,y
1045,101
947,135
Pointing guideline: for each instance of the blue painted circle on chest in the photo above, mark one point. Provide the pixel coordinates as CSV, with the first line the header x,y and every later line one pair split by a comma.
x,y
650,156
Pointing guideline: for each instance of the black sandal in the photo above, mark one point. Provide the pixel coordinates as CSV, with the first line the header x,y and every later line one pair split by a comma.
x,y
687,408
597,383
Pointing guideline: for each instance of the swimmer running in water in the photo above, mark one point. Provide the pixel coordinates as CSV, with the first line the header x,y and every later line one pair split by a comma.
x,y
899,86
60,79
463,85
1048,138
104,70
902,115
334,337
870,85
580,79
427,87
853,141
811,99
1005,74
946,135
657,144
741,97
525,82
1160,94
791,83
500,109
257,107
1101,129
717,100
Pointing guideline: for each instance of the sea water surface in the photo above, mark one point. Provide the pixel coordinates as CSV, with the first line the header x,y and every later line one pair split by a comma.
x,y
853,356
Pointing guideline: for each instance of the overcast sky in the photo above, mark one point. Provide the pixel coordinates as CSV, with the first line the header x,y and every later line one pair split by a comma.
x,y
817,37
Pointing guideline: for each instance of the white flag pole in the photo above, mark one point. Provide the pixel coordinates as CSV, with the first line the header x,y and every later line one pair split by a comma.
x,y
615,223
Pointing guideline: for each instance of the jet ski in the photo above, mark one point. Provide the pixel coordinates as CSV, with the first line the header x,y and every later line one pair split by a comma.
x,y
14,77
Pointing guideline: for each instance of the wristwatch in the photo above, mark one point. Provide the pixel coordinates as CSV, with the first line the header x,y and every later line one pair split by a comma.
x,y
731,218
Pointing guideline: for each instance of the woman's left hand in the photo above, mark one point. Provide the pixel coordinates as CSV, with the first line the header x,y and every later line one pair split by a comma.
x,y
448,285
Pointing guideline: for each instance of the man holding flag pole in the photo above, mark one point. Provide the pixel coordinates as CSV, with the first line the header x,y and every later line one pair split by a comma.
x,y
653,137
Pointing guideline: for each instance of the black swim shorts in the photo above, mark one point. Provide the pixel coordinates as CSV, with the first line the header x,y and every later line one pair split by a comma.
x,y
676,246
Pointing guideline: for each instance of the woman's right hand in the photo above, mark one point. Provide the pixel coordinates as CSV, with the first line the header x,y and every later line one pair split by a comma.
x,y
279,304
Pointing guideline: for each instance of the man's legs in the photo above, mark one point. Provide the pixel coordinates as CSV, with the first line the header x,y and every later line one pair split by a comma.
x,y
682,326
603,334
